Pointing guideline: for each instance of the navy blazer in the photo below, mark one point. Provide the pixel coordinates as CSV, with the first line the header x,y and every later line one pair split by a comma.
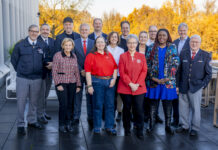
x,y
185,46
80,52
194,74
92,36
51,47
123,44
61,37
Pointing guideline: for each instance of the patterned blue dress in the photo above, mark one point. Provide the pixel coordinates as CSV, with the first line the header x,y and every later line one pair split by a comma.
x,y
161,92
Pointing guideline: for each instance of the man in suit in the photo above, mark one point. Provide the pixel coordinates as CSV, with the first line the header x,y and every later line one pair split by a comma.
x,y
42,116
68,33
152,31
83,46
125,29
194,74
28,60
181,43
97,24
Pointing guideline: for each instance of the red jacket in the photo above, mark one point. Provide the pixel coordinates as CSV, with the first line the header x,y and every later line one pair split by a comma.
x,y
134,71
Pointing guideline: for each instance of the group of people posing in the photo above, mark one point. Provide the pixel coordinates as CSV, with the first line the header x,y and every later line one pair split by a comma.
x,y
124,77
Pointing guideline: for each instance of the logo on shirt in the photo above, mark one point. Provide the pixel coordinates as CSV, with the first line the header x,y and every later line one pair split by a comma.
x,y
40,51
138,61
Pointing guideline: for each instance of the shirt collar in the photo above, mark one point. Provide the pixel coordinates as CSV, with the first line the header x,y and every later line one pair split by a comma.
x,y
184,39
44,38
64,55
84,40
96,35
31,41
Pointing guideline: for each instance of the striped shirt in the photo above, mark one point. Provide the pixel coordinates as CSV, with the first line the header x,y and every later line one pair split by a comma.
x,y
65,69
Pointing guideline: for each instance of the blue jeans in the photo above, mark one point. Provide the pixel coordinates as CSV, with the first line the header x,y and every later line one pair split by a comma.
x,y
103,96
78,102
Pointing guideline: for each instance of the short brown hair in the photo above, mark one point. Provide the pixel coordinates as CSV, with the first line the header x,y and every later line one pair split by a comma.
x,y
110,35
67,40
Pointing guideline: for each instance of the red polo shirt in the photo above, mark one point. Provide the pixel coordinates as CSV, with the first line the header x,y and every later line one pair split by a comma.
x,y
134,71
100,64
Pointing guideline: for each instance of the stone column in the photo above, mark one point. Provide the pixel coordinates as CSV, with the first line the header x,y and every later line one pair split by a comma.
x,y
12,21
21,18
6,28
1,37
17,20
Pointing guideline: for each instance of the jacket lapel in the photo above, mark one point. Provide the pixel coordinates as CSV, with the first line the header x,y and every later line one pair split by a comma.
x,y
89,46
80,47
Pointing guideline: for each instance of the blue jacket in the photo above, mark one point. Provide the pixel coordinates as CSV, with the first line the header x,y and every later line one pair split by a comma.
x,y
194,74
28,60
80,52
61,37
92,36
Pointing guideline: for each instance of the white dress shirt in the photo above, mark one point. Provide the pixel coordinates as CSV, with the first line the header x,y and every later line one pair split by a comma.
x,y
116,52
31,41
181,44
149,42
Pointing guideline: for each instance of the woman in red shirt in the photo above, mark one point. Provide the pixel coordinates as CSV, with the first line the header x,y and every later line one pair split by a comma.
x,y
131,86
66,77
101,74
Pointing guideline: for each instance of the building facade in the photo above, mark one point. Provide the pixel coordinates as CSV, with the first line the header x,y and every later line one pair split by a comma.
x,y
15,17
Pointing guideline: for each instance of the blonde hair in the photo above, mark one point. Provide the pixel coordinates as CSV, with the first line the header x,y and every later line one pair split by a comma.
x,y
67,40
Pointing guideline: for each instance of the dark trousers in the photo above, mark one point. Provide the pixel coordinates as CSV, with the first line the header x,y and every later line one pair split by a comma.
x,y
146,108
66,101
116,94
134,102
175,104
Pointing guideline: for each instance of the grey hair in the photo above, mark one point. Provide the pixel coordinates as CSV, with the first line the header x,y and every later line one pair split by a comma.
x,y
132,36
84,24
196,37
97,19
33,26
152,26
44,24
182,25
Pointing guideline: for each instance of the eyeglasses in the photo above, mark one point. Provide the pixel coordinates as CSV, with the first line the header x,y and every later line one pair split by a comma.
x,y
131,43
153,31
194,42
33,31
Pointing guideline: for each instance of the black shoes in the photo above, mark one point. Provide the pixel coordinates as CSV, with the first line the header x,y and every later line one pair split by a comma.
x,y
181,130
47,117
119,117
90,122
62,129
140,135
112,132
158,119
193,133
127,132
175,124
21,131
69,128
169,130
76,122
35,125
43,120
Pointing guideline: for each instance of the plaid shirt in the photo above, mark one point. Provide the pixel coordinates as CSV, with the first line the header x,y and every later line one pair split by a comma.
x,y
65,69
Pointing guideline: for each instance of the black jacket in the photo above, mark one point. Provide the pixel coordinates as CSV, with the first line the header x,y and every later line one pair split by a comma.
x,y
61,37
123,44
28,60
194,74
185,46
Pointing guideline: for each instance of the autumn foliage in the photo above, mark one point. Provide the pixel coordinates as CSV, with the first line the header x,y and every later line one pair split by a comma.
x,y
170,15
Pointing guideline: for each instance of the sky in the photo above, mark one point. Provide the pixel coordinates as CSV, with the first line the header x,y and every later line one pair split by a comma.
x,y
125,7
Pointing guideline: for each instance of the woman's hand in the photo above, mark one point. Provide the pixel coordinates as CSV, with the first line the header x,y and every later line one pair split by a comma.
x,y
77,90
90,90
112,83
60,88
134,87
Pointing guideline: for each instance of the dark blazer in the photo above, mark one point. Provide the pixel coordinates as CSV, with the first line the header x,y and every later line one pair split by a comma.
x,y
123,44
51,47
137,48
194,74
185,46
80,52
60,38
49,54
92,36
28,60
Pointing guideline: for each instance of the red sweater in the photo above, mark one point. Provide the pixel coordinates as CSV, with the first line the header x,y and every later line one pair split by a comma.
x,y
134,71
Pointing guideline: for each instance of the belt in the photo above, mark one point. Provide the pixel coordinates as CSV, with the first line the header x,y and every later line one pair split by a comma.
x,y
103,77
